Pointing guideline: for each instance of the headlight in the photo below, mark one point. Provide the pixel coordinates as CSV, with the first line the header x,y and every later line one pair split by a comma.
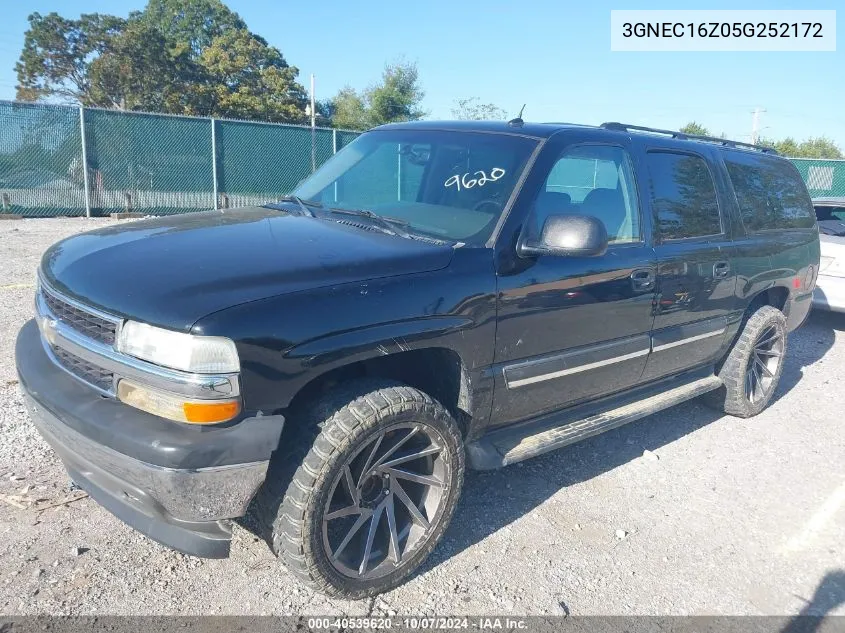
x,y
177,350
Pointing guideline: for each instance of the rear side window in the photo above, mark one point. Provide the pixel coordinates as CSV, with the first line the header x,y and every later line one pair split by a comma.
x,y
683,196
769,191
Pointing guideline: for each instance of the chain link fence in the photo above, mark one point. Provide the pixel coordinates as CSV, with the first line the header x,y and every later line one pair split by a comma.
x,y
824,178
63,160
257,161
41,171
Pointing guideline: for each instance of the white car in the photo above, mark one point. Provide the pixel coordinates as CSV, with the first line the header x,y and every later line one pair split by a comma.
x,y
830,287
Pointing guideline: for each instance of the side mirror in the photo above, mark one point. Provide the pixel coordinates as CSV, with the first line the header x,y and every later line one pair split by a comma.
x,y
568,236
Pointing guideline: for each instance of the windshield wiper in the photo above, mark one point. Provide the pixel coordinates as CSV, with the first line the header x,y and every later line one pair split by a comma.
x,y
394,226
302,204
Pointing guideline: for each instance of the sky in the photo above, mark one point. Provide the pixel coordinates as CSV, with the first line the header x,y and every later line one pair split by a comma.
x,y
552,55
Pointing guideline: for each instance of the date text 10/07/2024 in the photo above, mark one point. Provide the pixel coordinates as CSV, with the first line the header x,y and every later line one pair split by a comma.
x,y
418,623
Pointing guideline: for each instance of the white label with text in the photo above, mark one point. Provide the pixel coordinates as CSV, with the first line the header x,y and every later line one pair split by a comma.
x,y
474,179
723,30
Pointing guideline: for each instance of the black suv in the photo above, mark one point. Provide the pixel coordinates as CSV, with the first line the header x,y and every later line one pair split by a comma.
x,y
436,294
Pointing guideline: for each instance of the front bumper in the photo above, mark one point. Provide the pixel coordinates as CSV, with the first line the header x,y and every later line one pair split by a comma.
x,y
177,484
830,293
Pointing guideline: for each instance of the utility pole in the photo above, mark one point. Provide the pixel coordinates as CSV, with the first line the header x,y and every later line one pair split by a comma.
x,y
313,128
755,124
85,182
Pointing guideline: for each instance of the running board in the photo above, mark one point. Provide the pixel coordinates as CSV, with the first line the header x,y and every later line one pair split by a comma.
x,y
514,444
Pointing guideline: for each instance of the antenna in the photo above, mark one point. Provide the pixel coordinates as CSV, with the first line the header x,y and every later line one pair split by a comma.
x,y
517,122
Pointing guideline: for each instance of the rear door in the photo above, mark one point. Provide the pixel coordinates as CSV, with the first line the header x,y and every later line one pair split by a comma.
x,y
696,280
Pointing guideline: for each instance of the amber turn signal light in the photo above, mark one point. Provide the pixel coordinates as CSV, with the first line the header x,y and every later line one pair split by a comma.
x,y
210,412
175,407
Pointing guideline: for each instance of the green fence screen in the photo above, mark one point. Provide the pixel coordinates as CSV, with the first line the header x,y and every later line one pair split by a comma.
x,y
41,172
261,161
154,164
824,178
149,163
160,164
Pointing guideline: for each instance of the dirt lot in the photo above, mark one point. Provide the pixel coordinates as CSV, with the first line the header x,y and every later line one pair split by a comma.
x,y
722,516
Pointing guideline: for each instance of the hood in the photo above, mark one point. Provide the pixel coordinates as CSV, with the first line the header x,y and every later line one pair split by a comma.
x,y
172,271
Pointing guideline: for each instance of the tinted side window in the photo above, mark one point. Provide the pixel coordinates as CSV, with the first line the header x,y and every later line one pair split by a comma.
x,y
683,196
769,191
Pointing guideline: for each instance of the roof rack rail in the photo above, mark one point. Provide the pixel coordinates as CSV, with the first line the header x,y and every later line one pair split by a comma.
x,y
625,127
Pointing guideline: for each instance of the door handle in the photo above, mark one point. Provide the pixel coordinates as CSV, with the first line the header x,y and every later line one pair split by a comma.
x,y
642,279
721,269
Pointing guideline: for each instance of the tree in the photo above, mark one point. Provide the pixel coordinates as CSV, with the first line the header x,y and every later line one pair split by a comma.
x,y
820,147
138,71
247,78
696,129
787,146
349,111
176,56
56,55
325,111
396,98
471,109
193,24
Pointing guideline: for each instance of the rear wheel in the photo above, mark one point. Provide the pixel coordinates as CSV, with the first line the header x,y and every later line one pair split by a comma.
x,y
752,369
373,494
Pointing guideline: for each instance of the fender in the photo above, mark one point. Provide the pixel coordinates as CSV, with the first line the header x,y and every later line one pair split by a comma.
x,y
340,349
288,341
372,341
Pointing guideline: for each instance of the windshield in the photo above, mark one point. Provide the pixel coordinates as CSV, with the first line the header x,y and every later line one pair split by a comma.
x,y
446,185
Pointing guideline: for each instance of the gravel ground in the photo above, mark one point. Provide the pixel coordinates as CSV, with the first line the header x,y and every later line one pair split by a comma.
x,y
686,512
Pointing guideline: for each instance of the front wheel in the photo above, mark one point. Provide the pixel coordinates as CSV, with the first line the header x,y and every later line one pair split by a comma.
x,y
752,369
374,492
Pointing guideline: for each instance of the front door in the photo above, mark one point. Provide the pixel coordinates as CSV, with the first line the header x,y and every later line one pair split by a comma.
x,y
696,280
574,328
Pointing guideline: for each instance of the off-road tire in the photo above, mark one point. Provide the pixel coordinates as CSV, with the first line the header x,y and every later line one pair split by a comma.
x,y
292,501
732,398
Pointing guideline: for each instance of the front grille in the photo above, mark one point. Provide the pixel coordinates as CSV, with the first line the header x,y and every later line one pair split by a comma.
x,y
84,370
84,322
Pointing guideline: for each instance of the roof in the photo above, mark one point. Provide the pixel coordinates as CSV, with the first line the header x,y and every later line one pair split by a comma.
x,y
540,130
545,130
